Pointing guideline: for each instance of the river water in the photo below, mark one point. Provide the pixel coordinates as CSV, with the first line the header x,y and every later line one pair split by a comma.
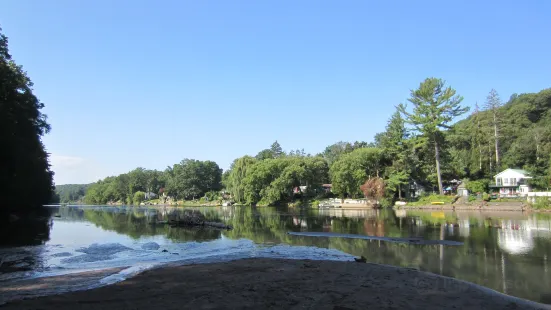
x,y
505,251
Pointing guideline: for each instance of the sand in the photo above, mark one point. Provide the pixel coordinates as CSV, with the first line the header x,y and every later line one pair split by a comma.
x,y
282,284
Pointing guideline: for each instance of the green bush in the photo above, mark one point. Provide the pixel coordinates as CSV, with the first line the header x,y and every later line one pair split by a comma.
x,y
486,197
472,198
477,186
138,197
386,202
315,204
212,195
542,203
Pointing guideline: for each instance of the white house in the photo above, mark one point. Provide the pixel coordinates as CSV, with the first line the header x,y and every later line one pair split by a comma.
x,y
511,183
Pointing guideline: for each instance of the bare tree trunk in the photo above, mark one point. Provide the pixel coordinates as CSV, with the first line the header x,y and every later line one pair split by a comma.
x,y
537,139
437,157
479,157
496,136
478,138
400,191
490,155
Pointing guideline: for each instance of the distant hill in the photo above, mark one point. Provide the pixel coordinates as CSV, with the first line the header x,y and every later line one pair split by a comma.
x,y
524,138
71,193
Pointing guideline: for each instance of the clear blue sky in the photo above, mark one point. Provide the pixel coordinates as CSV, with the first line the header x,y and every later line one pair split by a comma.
x,y
148,83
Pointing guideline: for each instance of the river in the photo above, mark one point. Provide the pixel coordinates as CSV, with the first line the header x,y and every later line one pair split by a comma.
x,y
505,251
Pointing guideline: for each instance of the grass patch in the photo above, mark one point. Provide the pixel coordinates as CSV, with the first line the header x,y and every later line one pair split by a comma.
x,y
542,203
428,200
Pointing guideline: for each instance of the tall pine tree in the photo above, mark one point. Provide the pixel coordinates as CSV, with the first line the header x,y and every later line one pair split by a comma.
x,y
434,107
393,141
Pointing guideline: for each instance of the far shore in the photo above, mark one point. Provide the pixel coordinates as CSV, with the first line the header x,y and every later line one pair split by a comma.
x,y
492,206
276,284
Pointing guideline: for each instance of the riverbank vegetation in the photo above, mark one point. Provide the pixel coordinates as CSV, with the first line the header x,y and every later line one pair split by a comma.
x,y
25,176
418,145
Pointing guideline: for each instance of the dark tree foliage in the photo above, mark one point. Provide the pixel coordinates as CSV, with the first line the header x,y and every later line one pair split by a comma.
x,y
25,175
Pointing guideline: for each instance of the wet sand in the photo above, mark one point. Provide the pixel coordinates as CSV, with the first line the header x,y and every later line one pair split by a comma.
x,y
15,290
282,284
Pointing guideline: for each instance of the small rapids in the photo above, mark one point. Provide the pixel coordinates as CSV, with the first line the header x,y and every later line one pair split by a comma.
x,y
136,258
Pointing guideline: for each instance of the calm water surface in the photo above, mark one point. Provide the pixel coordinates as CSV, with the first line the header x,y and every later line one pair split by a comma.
x,y
508,252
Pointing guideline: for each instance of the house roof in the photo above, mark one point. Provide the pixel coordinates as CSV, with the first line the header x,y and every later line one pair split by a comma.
x,y
518,171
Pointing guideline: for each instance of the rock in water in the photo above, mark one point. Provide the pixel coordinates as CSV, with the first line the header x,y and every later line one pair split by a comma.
x,y
62,254
86,258
151,246
104,249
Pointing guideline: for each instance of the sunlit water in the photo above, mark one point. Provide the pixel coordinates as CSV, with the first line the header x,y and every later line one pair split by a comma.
x,y
507,252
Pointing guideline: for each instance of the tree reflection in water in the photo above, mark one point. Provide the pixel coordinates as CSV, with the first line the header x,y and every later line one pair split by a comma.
x,y
507,252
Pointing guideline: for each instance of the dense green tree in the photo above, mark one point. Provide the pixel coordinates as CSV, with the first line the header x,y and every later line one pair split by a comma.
x,y
333,152
272,181
71,192
25,175
276,149
237,174
524,139
122,188
191,178
434,107
352,169
138,197
396,149
265,154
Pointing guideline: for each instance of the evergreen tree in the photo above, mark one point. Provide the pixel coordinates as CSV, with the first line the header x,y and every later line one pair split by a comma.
x,y
276,149
434,107
394,143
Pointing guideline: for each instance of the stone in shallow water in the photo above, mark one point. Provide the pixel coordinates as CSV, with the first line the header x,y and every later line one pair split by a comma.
x,y
62,254
87,258
151,246
104,249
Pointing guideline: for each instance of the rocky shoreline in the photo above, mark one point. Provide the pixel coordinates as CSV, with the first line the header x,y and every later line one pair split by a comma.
x,y
279,284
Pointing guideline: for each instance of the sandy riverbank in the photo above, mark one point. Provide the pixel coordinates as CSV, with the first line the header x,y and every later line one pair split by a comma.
x,y
282,284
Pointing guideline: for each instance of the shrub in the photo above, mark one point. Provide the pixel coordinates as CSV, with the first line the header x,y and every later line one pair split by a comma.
x,y
472,198
315,204
386,202
138,197
542,203
477,186
212,195
486,197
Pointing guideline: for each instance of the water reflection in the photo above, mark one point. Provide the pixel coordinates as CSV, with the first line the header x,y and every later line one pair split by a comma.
x,y
23,231
507,252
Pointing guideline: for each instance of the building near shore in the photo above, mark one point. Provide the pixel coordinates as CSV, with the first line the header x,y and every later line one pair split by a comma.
x,y
511,183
